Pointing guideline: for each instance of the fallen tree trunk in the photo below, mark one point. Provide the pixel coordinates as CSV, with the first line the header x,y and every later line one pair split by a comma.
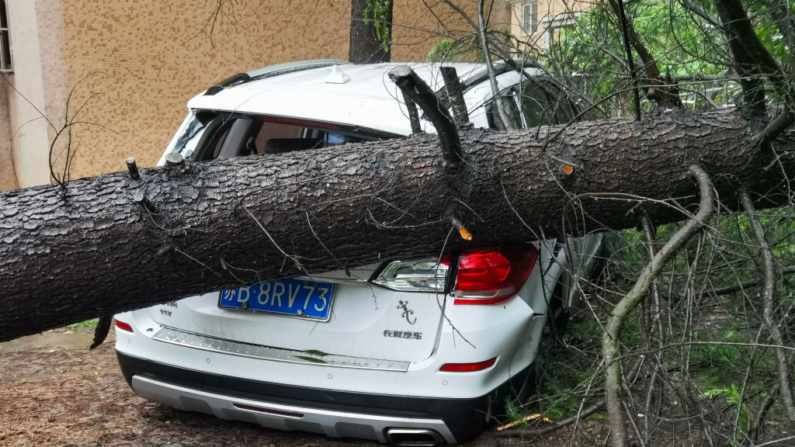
x,y
113,243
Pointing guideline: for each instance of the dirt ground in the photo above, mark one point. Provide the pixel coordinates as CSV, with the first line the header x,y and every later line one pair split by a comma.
x,y
54,392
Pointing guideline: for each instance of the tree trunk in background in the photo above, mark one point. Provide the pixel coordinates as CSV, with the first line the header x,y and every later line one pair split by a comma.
x,y
220,224
365,46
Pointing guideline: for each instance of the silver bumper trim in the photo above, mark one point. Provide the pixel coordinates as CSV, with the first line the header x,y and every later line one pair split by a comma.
x,y
283,417
205,343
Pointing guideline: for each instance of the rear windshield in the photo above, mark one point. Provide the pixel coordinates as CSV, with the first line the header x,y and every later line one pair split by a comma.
x,y
209,136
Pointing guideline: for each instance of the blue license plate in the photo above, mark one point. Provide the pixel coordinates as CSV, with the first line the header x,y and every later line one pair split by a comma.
x,y
294,297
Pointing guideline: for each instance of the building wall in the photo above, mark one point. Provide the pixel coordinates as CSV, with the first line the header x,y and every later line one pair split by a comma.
x,y
546,9
34,91
146,58
419,25
129,66
8,176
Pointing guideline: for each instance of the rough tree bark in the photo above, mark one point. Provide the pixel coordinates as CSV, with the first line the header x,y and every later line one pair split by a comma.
x,y
365,46
197,228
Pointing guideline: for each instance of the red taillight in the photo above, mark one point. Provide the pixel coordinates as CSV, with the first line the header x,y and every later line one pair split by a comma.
x,y
123,326
468,367
492,276
482,271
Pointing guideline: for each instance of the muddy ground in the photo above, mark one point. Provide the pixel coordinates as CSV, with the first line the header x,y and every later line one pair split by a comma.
x,y
54,392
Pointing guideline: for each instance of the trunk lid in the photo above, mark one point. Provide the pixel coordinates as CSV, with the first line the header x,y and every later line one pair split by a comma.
x,y
366,321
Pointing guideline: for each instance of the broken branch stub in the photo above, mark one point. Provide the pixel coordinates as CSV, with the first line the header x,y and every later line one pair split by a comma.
x,y
414,116
132,169
456,96
174,159
144,202
418,91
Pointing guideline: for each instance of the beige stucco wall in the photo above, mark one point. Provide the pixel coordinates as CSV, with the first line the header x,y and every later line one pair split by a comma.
x,y
131,66
148,57
416,29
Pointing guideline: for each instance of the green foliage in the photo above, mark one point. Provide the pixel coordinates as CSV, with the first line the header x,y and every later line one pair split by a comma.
x,y
514,412
87,323
466,49
732,396
440,51
682,43
561,379
379,13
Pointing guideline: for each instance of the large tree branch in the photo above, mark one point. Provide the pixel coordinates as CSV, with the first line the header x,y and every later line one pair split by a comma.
x,y
99,252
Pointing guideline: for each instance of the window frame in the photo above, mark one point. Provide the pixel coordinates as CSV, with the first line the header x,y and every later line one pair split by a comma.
x,y
553,24
533,6
6,66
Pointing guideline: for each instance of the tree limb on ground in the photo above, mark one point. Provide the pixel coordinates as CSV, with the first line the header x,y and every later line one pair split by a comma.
x,y
768,294
611,336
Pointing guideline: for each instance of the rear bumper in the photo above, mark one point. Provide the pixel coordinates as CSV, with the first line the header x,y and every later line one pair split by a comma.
x,y
334,413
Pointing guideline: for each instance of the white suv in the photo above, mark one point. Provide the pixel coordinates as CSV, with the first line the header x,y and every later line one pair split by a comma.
x,y
409,351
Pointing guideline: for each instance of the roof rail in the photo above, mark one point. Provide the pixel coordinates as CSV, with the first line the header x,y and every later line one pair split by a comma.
x,y
290,67
271,71
232,80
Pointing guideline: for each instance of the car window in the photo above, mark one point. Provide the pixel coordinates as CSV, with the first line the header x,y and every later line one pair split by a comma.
x,y
535,102
542,103
227,136
187,142
510,111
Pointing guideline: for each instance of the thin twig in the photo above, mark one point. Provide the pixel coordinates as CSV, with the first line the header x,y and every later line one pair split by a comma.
x,y
768,292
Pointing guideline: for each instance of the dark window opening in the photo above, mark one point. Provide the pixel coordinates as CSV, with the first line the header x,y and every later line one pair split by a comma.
x,y
212,135
535,102
543,103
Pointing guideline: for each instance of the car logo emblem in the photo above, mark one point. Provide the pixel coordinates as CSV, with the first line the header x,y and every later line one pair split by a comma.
x,y
407,313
